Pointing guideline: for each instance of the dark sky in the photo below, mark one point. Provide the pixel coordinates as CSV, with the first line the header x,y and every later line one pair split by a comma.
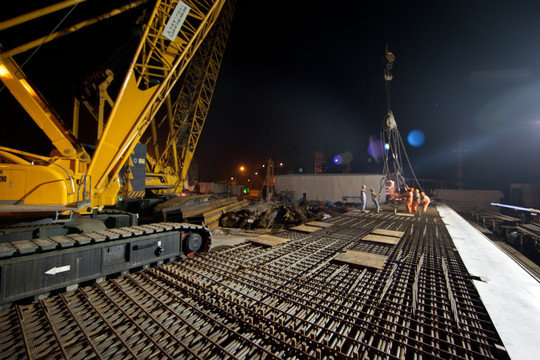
x,y
307,76
299,79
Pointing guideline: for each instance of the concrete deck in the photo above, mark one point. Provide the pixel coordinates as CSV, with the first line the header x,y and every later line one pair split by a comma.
x,y
510,295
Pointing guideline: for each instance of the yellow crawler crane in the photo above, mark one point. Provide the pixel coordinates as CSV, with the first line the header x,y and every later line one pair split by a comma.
x,y
70,179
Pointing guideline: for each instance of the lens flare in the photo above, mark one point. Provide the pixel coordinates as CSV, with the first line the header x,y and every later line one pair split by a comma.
x,y
416,138
376,149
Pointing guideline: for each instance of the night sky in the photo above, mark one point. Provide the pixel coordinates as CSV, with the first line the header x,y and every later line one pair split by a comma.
x,y
309,77
296,80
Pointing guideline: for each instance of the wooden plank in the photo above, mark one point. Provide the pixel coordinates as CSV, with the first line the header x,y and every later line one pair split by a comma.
x,y
529,230
392,240
361,258
305,228
211,217
268,240
405,214
388,232
319,224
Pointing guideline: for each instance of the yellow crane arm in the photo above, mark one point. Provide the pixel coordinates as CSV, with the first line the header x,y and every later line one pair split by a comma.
x,y
172,36
35,104
6,24
66,31
210,69
61,138
193,103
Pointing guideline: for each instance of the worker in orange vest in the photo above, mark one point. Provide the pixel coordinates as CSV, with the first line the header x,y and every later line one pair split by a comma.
x,y
409,199
424,200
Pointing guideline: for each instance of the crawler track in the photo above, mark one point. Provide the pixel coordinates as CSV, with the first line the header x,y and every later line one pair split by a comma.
x,y
288,301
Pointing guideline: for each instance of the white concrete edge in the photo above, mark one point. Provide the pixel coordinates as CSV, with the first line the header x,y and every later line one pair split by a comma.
x,y
510,294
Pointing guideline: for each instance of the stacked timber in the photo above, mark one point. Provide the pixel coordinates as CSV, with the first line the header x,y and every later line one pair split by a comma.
x,y
203,210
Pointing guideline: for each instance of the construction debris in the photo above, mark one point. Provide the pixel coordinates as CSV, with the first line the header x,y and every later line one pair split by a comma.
x,y
272,216
203,210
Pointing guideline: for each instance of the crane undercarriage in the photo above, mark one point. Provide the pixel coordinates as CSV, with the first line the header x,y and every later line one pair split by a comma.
x,y
30,268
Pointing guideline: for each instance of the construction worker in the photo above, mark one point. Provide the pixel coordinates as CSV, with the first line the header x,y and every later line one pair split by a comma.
x,y
375,199
424,200
409,199
416,200
363,197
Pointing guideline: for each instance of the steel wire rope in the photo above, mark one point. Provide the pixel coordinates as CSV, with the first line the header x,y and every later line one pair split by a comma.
x,y
409,163
388,94
387,80
393,139
396,144
44,40
382,185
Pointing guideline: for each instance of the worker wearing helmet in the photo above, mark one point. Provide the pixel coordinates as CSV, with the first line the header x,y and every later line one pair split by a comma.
x,y
409,199
424,200
363,197
375,199
416,200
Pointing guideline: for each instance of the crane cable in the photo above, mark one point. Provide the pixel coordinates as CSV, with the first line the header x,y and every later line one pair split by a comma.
x,y
393,136
390,131
389,63
45,40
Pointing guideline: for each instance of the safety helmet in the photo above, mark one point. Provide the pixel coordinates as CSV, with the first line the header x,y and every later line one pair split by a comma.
x,y
363,186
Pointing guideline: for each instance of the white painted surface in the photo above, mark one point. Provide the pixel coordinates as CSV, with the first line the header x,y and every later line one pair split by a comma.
x,y
175,22
330,187
510,295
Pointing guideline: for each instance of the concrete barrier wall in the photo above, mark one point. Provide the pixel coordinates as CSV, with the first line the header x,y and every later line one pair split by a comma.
x,y
330,187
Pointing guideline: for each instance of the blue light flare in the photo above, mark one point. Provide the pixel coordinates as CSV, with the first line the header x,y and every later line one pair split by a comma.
x,y
416,138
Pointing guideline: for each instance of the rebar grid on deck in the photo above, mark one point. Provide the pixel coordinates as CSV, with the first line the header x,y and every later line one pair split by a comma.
x,y
288,301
